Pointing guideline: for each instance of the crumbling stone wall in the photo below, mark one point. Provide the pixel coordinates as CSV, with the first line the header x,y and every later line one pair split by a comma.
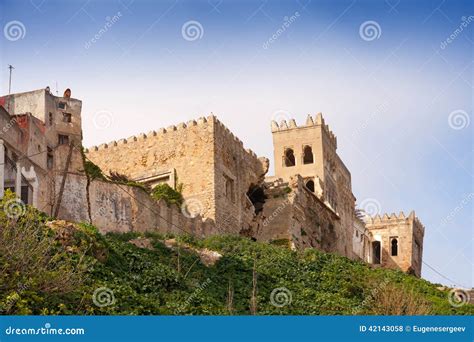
x,y
119,208
295,213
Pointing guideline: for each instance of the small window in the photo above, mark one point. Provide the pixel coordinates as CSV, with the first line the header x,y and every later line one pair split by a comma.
x,y
63,139
394,247
308,155
62,105
67,117
310,185
49,158
289,157
50,118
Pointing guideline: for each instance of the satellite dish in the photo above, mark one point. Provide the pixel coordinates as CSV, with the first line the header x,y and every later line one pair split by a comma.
x,y
67,93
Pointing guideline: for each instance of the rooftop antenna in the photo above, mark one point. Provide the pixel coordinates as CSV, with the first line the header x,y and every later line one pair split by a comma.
x,y
10,80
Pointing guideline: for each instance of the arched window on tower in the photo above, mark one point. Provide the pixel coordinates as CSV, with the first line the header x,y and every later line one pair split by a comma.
x,y
289,158
394,247
308,155
310,185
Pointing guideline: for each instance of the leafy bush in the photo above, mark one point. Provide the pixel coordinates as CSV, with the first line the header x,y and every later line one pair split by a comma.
x,y
32,262
93,171
169,281
170,195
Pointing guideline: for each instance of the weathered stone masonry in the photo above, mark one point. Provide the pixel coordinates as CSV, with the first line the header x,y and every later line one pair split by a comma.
x,y
308,203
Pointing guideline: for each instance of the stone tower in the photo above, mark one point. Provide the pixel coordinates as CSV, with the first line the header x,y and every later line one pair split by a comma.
x,y
310,151
396,242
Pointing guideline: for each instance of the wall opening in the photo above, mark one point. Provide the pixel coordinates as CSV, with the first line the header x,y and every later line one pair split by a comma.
x,y
49,158
394,247
310,185
376,252
257,196
308,155
289,157
67,117
63,139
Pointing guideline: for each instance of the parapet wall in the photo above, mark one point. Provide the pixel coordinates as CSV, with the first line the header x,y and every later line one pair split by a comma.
x,y
310,122
119,208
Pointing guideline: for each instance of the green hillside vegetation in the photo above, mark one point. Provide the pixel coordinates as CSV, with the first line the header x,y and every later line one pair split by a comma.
x,y
56,268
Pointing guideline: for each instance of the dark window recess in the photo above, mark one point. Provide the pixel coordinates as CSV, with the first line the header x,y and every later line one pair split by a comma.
x,y
67,117
63,139
394,247
49,158
310,185
62,105
308,155
289,157
50,119
376,252
24,193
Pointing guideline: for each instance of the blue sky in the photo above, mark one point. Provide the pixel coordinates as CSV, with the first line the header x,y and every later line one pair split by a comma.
x,y
398,95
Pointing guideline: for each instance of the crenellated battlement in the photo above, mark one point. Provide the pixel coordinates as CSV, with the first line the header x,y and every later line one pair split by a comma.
x,y
386,219
317,121
202,121
163,132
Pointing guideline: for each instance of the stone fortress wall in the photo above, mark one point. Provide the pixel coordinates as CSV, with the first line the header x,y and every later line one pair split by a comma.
x,y
308,202
202,156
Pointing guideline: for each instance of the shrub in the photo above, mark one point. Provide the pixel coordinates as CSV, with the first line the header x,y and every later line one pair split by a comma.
x,y
170,195
32,262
